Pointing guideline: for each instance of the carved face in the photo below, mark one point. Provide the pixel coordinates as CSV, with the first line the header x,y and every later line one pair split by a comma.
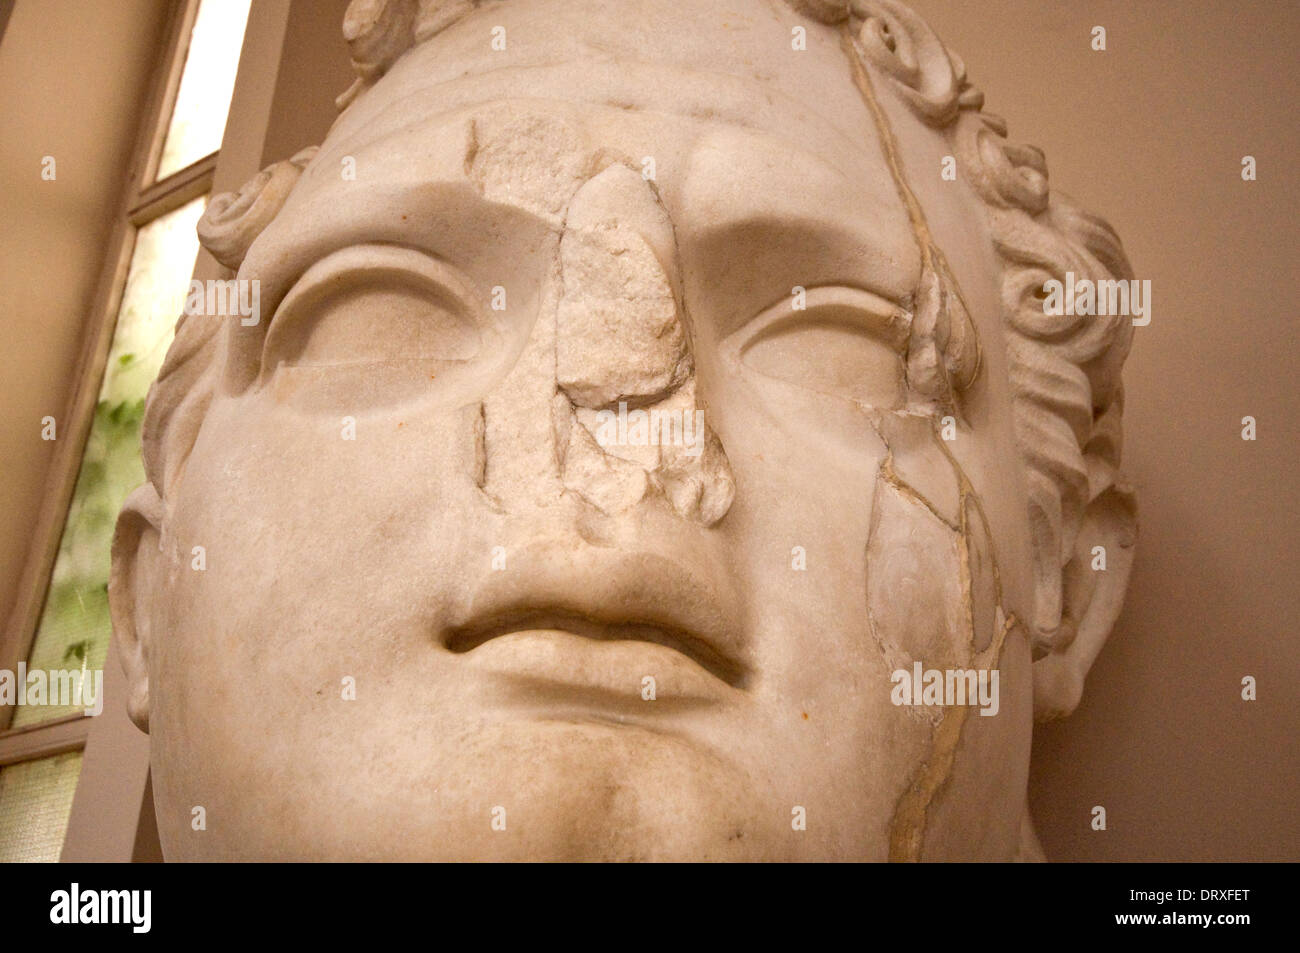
x,y
572,498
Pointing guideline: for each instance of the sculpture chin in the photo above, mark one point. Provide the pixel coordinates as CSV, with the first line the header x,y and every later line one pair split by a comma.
x,y
587,786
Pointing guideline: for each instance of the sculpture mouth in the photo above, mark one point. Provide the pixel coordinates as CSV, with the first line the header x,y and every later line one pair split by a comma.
x,y
537,621
601,622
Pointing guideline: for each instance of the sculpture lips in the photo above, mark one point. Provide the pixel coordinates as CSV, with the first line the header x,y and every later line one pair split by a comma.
x,y
550,623
602,619
556,669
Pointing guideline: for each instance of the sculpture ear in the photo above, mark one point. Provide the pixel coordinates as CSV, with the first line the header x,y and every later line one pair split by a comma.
x,y
134,581
1093,588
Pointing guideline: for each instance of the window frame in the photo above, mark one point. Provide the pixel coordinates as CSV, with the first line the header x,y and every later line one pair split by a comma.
x,y
142,202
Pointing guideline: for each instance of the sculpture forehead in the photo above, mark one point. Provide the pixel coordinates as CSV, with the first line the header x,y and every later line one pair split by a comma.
x,y
685,68
739,56
740,127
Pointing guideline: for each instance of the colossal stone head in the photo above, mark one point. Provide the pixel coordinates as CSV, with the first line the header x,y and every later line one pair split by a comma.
x,y
653,446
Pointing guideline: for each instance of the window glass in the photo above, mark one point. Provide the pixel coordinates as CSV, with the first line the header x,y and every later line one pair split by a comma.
x,y
35,800
74,626
198,119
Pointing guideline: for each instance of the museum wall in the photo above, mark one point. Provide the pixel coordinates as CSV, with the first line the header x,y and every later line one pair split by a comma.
x,y
1151,134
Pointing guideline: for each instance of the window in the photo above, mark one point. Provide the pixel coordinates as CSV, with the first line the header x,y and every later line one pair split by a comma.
x,y
40,744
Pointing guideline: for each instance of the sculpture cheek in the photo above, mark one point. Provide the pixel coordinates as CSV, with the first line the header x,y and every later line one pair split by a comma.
x,y
934,604
929,529
914,591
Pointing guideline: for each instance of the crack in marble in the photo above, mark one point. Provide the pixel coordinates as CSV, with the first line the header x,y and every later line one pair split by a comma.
x,y
912,811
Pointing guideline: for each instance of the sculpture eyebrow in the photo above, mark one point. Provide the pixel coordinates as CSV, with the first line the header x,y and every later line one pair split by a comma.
x,y
300,255
934,265
769,230
889,145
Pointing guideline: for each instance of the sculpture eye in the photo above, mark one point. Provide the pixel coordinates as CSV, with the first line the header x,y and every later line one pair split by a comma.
x,y
372,325
844,342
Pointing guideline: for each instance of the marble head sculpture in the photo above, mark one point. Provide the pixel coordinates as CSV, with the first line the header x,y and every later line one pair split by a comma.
x,y
649,398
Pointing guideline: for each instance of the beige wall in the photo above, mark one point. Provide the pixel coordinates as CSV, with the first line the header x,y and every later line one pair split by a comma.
x,y
1151,134
314,69
77,100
